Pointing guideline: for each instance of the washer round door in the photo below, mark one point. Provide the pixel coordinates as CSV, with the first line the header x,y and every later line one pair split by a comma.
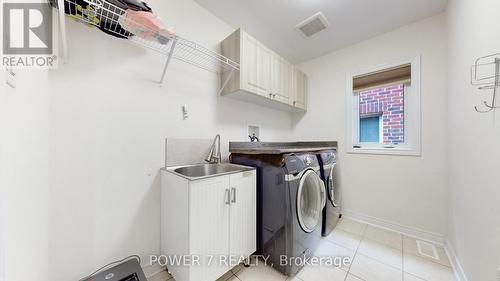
x,y
331,189
311,199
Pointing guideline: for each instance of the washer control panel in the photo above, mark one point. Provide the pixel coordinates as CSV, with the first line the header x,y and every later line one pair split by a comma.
x,y
328,157
296,163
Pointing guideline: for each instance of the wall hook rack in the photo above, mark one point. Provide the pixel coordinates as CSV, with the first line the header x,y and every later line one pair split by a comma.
x,y
11,74
482,76
107,16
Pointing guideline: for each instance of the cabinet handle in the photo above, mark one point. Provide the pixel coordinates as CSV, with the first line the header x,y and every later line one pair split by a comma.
x,y
227,195
294,103
233,191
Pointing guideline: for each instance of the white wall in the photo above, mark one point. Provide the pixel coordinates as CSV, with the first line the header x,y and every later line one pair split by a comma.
x,y
108,120
410,191
473,148
24,144
108,123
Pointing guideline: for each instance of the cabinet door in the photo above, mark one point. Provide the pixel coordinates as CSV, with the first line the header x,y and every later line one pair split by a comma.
x,y
209,226
281,79
256,66
286,82
276,69
300,90
243,214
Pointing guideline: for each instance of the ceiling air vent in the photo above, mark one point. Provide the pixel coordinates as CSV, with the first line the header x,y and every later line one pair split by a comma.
x,y
313,24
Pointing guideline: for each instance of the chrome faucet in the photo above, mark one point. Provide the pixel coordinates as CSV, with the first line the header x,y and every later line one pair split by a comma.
x,y
214,150
253,138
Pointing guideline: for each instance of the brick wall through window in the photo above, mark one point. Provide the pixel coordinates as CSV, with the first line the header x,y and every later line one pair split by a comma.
x,y
387,102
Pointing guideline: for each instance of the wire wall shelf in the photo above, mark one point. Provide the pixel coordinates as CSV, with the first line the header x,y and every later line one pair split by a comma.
x,y
485,74
114,21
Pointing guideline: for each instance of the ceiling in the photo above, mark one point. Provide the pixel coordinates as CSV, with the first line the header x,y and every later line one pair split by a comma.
x,y
352,21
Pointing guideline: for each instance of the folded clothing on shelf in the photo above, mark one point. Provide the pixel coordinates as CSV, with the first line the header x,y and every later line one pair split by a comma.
x,y
102,13
131,5
146,25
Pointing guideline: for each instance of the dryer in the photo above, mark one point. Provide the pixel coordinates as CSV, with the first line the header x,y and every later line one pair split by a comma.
x,y
332,210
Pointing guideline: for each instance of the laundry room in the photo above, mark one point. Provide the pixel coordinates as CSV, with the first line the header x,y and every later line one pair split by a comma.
x,y
233,140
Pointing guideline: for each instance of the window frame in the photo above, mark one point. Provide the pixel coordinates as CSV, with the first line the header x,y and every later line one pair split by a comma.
x,y
412,108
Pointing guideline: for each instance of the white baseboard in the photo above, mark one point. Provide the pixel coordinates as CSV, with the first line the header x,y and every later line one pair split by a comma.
x,y
455,262
414,232
150,270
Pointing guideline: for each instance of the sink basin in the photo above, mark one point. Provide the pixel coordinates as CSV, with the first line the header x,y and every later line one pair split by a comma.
x,y
198,171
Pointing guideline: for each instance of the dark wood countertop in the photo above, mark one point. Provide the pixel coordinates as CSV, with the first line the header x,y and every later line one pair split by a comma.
x,y
280,147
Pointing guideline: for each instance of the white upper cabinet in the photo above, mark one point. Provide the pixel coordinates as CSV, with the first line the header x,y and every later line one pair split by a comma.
x,y
255,77
275,75
300,89
264,78
281,79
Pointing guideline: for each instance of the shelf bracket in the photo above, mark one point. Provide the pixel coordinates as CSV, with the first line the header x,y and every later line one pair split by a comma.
x,y
226,81
170,55
62,29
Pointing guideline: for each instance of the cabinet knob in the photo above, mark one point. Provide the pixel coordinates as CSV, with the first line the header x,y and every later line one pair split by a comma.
x,y
274,95
270,95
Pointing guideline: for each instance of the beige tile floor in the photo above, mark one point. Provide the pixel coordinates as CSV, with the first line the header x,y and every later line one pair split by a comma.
x,y
377,255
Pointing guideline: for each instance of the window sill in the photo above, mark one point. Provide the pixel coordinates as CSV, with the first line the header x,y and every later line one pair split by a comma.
x,y
385,151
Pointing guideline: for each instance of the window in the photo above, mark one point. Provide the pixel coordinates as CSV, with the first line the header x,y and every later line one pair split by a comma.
x,y
387,104
370,130
385,115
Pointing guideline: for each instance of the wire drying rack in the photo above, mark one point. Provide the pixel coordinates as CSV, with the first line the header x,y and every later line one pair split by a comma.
x,y
485,74
107,16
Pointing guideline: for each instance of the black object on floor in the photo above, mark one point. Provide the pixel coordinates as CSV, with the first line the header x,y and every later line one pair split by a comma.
x,y
129,270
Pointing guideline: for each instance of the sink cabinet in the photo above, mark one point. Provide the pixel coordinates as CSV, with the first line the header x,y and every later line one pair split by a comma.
x,y
212,218
264,78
